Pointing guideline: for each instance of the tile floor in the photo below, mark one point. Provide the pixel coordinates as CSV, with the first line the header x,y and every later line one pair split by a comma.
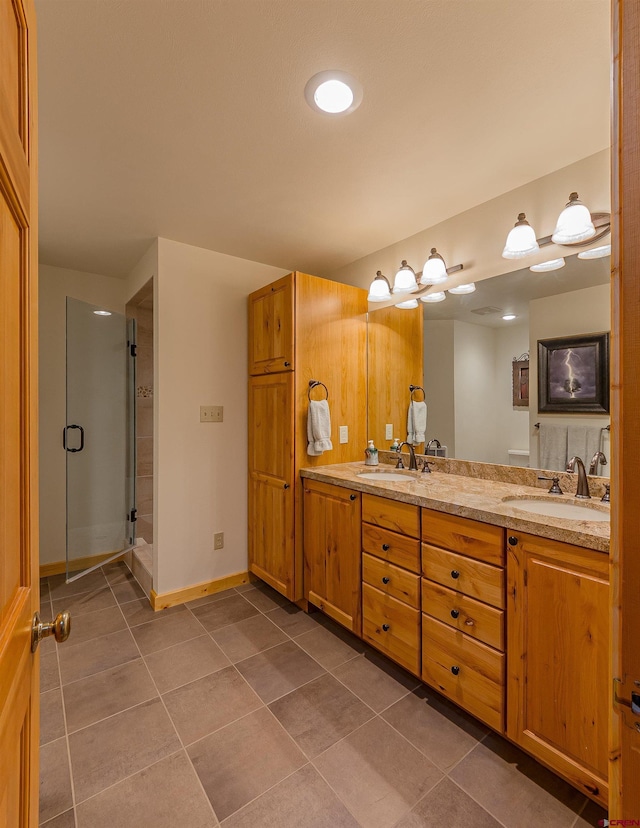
x,y
240,710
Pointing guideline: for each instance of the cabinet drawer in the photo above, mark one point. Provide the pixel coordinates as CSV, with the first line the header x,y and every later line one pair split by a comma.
x,y
391,547
465,614
391,514
392,627
470,537
468,672
392,580
473,578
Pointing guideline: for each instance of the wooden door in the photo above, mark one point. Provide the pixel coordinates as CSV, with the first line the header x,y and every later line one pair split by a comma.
x,y
19,581
271,312
625,408
558,658
271,481
332,552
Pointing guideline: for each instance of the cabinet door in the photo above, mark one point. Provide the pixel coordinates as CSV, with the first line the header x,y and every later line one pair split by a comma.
x,y
271,311
271,482
558,657
332,568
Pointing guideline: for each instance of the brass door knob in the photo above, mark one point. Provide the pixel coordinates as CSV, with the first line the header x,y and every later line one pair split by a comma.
x,y
60,628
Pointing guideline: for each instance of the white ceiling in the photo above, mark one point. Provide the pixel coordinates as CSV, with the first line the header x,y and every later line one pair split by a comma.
x,y
186,119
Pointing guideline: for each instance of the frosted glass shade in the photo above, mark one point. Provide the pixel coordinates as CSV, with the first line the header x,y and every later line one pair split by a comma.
x,y
434,270
405,281
521,240
410,303
434,297
574,223
380,290
461,289
545,267
594,253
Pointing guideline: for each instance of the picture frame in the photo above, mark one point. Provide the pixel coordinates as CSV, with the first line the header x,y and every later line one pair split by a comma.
x,y
520,382
573,374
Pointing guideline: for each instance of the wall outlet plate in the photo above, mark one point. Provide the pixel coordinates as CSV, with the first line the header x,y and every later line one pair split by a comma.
x,y
388,431
218,540
211,413
344,434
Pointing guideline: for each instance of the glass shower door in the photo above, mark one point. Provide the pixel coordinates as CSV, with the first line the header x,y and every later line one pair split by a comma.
x,y
99,437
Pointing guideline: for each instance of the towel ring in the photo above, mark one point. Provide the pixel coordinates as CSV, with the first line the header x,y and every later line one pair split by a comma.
x,y
315,384
413,388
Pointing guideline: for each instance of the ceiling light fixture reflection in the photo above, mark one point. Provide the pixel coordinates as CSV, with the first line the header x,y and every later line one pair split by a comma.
x,y
102,313
333,92
509,316
461,289
545,267
596,252
574,223
434,297
405,281
434,270
380,289
521,240
408,305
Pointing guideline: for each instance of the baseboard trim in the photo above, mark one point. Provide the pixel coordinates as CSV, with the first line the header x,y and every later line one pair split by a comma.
x,y
191,593
58,567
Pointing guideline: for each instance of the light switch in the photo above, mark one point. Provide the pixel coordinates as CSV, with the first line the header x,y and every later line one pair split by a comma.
x,y
344,434
211,413
388,431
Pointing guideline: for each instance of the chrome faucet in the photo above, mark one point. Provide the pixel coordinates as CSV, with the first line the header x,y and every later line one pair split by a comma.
x,y
428,446
582,490
598,457
412,457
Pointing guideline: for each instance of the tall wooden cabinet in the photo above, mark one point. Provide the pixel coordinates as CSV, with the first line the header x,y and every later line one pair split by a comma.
x,y
300,328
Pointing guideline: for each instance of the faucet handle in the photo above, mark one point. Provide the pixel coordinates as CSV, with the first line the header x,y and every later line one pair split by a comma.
x,y
399,464
425,466
606,497
555,484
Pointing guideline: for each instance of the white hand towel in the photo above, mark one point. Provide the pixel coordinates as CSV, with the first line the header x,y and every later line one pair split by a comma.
x,y
318,428
416,422
583,441
553,447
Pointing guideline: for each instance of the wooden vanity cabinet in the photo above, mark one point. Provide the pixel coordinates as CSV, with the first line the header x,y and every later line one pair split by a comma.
x,y
558,657
332,552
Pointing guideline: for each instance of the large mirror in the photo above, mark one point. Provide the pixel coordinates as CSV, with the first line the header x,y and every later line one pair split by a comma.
x,y
468,352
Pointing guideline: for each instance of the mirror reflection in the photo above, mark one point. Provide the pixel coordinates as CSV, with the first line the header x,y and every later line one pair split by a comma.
x,y
468,349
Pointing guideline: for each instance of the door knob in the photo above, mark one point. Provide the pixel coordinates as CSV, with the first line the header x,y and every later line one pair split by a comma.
x,y
60,628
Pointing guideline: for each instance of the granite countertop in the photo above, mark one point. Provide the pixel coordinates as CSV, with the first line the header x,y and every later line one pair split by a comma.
x,y
471,497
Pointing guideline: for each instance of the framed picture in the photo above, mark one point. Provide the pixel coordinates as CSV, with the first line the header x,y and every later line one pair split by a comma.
x,y
520,381
573,374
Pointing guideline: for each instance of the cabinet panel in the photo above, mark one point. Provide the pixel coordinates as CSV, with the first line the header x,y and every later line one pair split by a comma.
x,y
332,552
473,578
392,580
460,534
471,617
392,547
391,514
468,672
392,627
271,313
559,657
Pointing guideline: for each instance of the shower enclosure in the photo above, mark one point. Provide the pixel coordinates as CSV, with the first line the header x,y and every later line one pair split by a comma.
x,y
99,437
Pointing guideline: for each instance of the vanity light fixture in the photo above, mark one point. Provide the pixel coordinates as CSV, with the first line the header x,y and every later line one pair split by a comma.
x,y
434,297
434,270
574,223
405,281
509,316
333,92
102,313
521,240
408,305
545,267
380,289
596,252
461,289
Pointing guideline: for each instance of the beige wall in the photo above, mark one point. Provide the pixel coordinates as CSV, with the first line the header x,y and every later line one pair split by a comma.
x,y
201,359
512,422
55,285
439,388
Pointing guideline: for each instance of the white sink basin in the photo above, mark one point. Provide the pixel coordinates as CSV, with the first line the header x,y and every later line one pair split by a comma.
x,y
386,475
557,508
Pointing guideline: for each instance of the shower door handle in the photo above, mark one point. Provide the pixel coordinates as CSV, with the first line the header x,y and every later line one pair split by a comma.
x,y
64,438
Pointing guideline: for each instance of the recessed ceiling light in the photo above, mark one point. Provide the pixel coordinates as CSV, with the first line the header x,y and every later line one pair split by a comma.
x,y
102,313
434,297
509,316
596,252
333,92
545,267
463,288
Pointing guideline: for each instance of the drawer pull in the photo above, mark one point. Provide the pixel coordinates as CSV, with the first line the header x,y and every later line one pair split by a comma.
x,y
455,613
455,670
385,627
385,547
286,486
455,574
352,497
513,541
385,580
469,622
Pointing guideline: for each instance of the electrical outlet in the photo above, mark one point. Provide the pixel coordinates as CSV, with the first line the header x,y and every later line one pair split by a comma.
x,y
218,540
388,431
211,413
344,434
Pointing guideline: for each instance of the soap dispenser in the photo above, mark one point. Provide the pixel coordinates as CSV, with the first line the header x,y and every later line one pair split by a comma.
x,y
371,455
395,446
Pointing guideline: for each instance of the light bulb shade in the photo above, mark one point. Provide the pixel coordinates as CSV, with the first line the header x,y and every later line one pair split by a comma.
x,y
405,281
434,297
408,305
521,240
596,252
380,289
545,267
574,223
434,270
461,289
